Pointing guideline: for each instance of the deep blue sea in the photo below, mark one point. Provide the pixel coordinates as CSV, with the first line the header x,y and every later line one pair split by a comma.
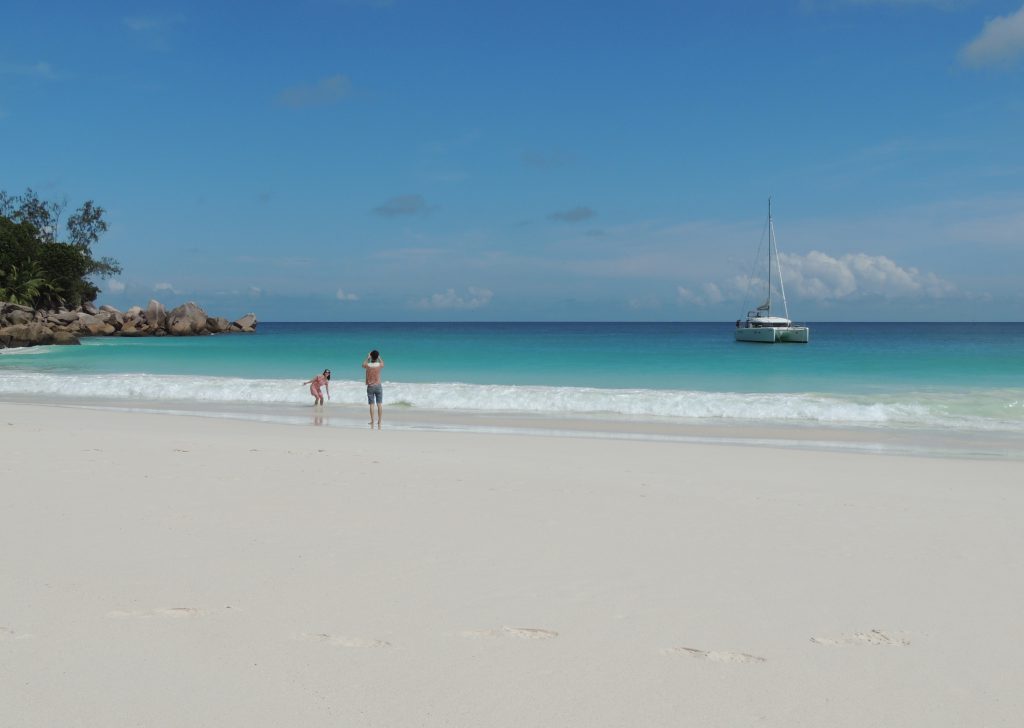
x,y
945,376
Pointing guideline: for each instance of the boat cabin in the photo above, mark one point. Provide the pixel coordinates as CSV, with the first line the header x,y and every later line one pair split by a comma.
x,y
756,322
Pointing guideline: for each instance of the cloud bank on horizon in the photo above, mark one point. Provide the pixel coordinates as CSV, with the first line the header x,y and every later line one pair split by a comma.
x,y
384,159
818,276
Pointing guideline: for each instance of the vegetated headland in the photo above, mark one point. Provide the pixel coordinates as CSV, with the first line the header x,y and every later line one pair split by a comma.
x,y
49,280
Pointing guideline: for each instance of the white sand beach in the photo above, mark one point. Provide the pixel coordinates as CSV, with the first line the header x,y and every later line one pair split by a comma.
x,y
183,571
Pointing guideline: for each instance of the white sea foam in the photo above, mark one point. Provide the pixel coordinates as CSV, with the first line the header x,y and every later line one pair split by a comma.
x,y
27,350
750,407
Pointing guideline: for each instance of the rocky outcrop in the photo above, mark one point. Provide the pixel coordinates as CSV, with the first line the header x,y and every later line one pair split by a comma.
x,y
156,315
23,326
90,325
218,324
65,338
19,314
30,334
186,320
246,324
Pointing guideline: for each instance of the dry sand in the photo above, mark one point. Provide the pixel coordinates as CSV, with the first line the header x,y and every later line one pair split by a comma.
x,y
180,571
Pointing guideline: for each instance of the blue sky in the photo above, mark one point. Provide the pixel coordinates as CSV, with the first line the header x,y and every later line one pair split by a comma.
x,y
420,160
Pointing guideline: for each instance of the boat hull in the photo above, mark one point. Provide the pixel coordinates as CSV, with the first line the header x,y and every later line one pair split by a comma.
x,y
774,334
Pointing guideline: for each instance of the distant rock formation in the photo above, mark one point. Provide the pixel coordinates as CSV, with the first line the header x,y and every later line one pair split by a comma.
x,y
24,326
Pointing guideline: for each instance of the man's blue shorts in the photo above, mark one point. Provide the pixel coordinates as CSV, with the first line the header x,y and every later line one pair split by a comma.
x,y
375,392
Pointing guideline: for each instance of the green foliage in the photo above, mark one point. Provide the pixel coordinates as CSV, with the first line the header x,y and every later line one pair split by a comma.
x,y
104,267
8,204
19,242
66,268
23,285
86,226
36,268
44,216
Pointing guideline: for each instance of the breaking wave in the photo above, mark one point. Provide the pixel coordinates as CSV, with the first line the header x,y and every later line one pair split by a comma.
x,y
924,410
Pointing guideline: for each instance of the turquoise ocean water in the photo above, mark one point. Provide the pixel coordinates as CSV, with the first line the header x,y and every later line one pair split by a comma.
x,y
958,377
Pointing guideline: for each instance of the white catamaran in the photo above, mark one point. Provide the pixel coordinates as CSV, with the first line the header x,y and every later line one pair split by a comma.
x,y
760,326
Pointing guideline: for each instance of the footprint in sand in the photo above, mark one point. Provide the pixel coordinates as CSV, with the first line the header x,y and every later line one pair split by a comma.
x,y
336,641
9,634
872,637
523,633
713,655
176,612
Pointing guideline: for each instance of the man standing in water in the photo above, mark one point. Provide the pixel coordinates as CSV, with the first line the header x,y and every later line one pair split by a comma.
x,y
374,391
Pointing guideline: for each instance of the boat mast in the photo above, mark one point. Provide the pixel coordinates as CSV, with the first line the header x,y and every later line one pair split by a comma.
x,y
771,235
778,263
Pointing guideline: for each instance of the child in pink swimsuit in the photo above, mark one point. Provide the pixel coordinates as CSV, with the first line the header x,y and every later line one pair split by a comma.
x,y
320,380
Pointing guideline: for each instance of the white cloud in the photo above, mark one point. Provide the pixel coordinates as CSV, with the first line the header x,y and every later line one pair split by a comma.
x,y
708,295
326,91
402,205
642,303
255,291
166,287
1000,41
153,32
476,298
546,160
574,214
820,276
343,296
115,286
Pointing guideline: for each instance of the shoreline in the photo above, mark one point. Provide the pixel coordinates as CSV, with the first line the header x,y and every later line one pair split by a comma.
x,y
924,442
227,572
845,393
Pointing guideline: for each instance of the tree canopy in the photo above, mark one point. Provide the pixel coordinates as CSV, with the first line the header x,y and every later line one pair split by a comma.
x,y
39,269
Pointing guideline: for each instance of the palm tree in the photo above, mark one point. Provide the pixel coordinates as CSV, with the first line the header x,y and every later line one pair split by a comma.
x,y
23,286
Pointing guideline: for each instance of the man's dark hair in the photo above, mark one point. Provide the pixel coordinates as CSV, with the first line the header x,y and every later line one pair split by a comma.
x,y
374,355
